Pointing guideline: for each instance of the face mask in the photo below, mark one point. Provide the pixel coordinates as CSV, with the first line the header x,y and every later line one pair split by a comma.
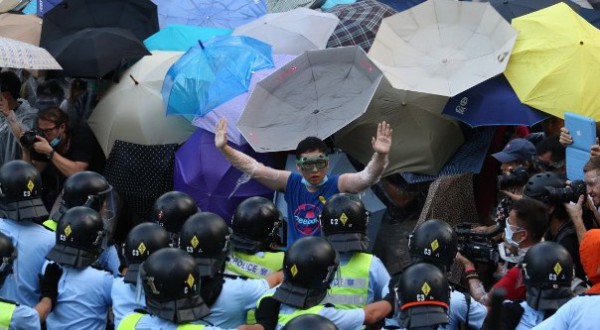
x,y
308,184
507,255
55,142
508,236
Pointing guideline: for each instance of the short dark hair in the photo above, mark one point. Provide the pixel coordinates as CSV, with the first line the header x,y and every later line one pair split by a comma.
x,y
553,145
10,82
311,143
592,164
533,216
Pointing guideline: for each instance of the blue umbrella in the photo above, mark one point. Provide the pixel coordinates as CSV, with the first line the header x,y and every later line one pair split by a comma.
x,y
179,37
227,14
332,3
43,6
31,8
400,5
492,103
210,74
590,15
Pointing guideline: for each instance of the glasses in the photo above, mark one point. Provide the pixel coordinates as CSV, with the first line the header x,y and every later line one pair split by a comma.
x,y
310,164
48,130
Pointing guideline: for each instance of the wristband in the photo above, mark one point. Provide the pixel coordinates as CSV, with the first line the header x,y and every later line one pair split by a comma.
x,y
50,155
470,270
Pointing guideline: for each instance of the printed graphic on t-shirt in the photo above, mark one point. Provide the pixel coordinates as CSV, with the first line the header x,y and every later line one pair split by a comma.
x,y
306,220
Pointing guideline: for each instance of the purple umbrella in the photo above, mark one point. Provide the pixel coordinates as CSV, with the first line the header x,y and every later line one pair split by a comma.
x,y
202,172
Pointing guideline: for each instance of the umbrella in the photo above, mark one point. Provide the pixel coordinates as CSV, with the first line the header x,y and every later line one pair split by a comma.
x,y
339,164
181,37
31,8
19,55
316,94
233,108
555,65
359,23
401,5
25,28
71,16
92,53
43,6
492,103
280,6
8,5
133,110
203,173
423,139
590,15
227,14
510,9
210,74
332,3
292,32
432,47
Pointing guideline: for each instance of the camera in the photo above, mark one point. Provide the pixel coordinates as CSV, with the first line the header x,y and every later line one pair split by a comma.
x,y
517,177
567,194
28,138
477,247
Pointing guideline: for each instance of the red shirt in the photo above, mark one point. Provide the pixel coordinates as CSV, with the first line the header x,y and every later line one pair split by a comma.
x,y
513,283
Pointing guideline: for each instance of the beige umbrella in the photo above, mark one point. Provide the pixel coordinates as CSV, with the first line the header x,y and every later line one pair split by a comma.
x,y
133,110
8,5
19,55
25,28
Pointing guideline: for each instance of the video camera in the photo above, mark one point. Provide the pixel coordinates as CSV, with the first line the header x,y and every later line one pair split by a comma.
x,y
478,247
517,177
567,194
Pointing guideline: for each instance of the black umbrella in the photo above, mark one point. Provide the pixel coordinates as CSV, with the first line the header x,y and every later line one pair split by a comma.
x,y
70,16
510,9
92,53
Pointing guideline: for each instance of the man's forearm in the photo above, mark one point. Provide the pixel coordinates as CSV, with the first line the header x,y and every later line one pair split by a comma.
x,y
357,182
477,291
66,166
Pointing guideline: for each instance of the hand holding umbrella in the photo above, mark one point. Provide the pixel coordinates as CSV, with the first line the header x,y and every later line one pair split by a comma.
x,y
383,142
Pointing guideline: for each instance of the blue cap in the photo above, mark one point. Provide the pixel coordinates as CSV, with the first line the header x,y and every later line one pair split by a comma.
x,y
516,149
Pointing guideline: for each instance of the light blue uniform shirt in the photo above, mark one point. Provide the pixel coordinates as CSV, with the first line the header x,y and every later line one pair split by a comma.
x,y
33,242
348,319
124,299
109,260
530,317
24,318
83,300
579,313
150,322
237,297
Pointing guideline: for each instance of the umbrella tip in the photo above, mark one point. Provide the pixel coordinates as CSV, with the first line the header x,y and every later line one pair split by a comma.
x,y
581,42
135,81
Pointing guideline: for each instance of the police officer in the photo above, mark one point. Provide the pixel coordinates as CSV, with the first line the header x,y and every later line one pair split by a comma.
x,y
548,273
309,267
13,315
83,291
171,210
143,240
171,282
255,224
344,221
423,296
206,237
21,209
310,322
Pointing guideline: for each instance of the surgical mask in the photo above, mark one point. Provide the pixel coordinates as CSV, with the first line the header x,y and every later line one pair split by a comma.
x,y
55,142
308,184
509,233
507,255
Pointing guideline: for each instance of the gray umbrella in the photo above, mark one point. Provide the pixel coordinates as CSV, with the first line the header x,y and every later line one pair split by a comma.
x,y
339,164
316,94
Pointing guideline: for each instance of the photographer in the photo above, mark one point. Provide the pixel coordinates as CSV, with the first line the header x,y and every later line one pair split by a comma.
x,y
58,152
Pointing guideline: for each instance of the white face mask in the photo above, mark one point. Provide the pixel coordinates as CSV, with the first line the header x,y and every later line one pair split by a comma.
x,y
509,233
507,255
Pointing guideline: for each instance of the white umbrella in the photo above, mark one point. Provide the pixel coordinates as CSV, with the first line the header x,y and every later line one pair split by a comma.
x,y
443,47
133,110
292,32
19,55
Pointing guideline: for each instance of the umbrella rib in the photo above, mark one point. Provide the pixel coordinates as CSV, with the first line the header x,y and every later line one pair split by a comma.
x,y
312,72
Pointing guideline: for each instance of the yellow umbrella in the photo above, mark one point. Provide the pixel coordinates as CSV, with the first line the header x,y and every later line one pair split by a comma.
x,y
555,64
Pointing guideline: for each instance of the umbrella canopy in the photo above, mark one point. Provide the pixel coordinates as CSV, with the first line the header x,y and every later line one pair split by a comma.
x,y
280,6
432,47
226,14
19,55
359,23
233,108
138,16
25,28
8,5
210,74
43,6
401,5
590,15
492,103
340,164
178,37
92,53
510,9
203,173
555,66
133,110
292,32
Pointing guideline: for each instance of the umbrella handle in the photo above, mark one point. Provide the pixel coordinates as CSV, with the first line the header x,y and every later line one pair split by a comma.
x,y
135,81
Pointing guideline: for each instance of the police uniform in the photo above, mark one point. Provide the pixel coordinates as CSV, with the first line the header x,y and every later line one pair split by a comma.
x,y
579,313
343,319
17,317
458,311
256,265
140,321
124,299
530,317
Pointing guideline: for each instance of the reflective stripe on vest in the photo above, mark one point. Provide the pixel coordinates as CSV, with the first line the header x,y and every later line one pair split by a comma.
x,y
6,314
283,319
253,266
351,289
50,224
130,322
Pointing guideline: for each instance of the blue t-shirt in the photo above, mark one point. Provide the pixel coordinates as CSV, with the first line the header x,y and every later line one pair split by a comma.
x,y
304,206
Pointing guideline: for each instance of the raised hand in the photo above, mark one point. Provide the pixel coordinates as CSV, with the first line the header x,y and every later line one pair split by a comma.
x,y
383,141
221,133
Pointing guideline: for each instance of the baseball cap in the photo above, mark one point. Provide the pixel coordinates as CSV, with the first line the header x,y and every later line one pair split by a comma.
x,y
516,149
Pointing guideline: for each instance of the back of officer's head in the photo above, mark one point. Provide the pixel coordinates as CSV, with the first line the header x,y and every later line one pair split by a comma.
x,y
8,254
255,224
172,209
310,322
143,240
434,241
344,221
532,216
21,192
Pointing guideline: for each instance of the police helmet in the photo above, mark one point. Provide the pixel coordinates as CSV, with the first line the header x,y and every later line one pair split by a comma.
x,y
344,221
434,241
310,322
143,240
79,237
537,183
309,266
85,188
171,282
172,209
8,254
205,236
424,296
21,192
255,225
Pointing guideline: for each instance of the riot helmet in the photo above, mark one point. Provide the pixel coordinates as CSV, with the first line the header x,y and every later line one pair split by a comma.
x,y
171,282
255,225
310,322
424,297
344,223
309,266
79,237
434,241
21,192
537,183
8,254
172,209
206,236
548,271
143,240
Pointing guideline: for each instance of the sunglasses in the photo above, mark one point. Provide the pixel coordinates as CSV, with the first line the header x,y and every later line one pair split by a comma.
x,y
309,164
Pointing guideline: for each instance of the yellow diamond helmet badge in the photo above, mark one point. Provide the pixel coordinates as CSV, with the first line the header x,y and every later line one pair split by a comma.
x,y
190,280
435,245
142,248
343,218
557,269
426,288
294,270
30,185
195,241
68,230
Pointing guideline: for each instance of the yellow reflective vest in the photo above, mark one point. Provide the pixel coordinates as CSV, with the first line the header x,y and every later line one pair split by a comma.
x,y
131,320
351,289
